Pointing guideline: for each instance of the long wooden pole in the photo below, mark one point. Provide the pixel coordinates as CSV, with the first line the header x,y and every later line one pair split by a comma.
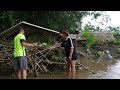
x,y
88,69
35,72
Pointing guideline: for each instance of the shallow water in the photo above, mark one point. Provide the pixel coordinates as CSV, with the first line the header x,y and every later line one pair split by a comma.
x,y
104,70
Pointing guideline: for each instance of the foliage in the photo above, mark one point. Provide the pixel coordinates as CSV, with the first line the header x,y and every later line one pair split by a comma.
x,y
58,56
56,20
48,39
44,37
114,33
91,39
114,29
117,40
89,27
44,45
7,20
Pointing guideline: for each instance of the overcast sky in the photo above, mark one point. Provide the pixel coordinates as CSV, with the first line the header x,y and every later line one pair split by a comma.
x,y
114,15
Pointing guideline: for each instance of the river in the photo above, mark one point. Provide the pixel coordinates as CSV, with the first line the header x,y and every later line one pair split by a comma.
x,y
104,70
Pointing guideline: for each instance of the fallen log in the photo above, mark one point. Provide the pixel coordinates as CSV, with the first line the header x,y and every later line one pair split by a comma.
x,y
87,68
83,54
54,62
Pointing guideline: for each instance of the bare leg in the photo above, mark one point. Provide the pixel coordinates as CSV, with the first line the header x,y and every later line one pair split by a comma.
x,y
73,70
19,74
24,73
69,69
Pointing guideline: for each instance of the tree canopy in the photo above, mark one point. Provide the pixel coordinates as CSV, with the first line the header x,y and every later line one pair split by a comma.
x,y
56,20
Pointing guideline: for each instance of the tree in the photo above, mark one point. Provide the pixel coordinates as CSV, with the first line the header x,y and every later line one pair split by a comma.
x,y
56,20
90,38
114,29
99,18
7,20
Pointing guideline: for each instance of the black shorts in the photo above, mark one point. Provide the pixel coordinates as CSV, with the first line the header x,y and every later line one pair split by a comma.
x,y
20,63
74,57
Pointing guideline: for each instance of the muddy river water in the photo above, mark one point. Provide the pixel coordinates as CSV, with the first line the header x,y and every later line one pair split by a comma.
x,y
104,70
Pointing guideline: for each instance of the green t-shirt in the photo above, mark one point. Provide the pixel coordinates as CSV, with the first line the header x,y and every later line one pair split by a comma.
x,y
19,49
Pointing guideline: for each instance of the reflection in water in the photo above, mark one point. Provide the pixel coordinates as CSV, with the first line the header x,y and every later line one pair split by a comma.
x,y
111,73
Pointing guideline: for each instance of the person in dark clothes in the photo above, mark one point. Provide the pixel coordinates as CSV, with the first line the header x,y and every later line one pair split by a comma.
x,y
71,53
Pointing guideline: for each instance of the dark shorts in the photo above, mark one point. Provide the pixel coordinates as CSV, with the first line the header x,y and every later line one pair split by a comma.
x,y
20,63
74,57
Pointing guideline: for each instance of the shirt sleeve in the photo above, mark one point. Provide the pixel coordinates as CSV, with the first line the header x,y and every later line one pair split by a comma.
x,y
22,38
71,43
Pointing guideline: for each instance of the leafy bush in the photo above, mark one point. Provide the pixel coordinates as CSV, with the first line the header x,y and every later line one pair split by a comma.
x,y
58,56
114,33
117,40
56,59
91,39
44,45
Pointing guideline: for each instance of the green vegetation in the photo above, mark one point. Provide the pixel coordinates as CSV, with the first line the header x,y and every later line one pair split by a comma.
x,y
56,20
44,45
57,56
91,39
117,40
116,31
56,59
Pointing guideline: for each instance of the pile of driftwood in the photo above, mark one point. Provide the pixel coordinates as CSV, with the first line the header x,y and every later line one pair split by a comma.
x,y
38,58
6,52
6,57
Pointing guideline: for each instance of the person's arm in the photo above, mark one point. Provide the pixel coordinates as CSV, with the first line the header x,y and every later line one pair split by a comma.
x,y
59,46
27,44
62,45
71,49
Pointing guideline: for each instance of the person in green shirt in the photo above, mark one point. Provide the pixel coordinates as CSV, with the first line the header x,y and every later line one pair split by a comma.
x,y
20,62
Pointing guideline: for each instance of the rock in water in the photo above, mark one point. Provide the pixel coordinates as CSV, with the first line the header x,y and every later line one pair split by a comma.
x,y
109,56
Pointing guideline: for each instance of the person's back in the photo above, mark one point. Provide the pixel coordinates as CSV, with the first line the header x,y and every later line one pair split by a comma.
x,y
19,49
20,59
